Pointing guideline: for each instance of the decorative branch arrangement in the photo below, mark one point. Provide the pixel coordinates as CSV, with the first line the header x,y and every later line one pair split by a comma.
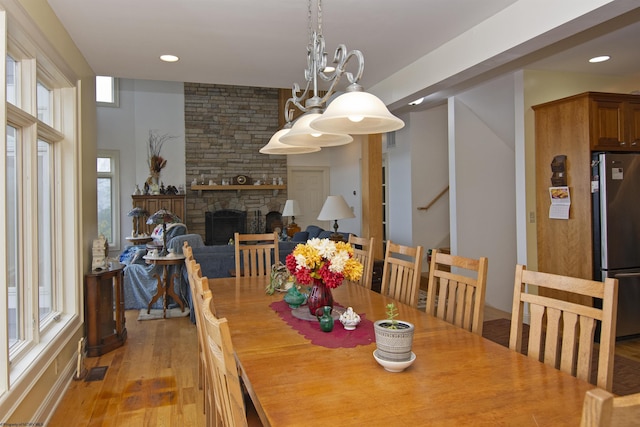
x,y
155,160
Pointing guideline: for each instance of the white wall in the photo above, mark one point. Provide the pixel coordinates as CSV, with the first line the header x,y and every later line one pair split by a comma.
x,y
144,105
482,175
429,176
399,184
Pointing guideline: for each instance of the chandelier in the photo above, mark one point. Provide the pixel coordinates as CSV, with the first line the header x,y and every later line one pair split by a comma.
x,y
331,118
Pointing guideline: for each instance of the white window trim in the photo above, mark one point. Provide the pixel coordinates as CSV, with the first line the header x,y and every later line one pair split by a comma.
x,y
114,155
24,41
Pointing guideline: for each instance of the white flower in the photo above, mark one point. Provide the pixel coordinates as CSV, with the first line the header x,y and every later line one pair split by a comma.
x,y
338,261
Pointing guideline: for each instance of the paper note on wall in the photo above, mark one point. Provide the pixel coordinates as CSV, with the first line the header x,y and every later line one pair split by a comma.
x,y
560,202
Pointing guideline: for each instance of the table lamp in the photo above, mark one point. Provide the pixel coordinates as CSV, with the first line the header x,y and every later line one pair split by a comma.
x,y
335,208
291,208
137,212
163,217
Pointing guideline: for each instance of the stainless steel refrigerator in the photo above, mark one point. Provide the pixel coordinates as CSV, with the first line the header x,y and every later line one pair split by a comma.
x,y
615,189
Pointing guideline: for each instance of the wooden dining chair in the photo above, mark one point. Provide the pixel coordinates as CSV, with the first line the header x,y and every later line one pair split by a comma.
x,y
456,290
223,367
199,287
187,250
603,409
255,254
363,252
401,273
562,331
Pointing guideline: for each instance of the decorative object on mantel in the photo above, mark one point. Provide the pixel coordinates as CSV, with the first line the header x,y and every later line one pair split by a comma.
x,y
335,208
291,208
156,161
324,264
163,217
352,113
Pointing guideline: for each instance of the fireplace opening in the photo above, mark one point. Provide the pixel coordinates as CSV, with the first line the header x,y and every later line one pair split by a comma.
x,y
222,224
273,220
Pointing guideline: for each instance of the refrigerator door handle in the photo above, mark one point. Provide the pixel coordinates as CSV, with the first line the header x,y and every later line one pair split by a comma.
x,y
626,275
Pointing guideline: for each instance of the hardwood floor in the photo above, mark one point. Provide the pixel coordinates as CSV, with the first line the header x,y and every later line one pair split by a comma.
x,y
150,381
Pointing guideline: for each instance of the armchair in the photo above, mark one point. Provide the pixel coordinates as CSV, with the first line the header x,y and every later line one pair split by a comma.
x,y
139,282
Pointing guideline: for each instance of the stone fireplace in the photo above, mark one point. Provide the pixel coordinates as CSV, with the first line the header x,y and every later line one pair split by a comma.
x,y
225,127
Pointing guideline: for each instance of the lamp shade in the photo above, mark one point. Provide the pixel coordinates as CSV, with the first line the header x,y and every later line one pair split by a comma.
x,y
357,113
335,207
163,216
276,147
302,135
291,208
138,212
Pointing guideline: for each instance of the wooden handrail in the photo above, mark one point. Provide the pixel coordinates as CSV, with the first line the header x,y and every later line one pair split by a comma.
x,y
442,193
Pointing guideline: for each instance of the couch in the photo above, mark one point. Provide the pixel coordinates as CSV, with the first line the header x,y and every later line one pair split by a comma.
x,y
139,282
313,231
219,260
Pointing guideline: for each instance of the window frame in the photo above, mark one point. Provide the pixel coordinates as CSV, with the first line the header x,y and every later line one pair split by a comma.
x,y
42,341
114,155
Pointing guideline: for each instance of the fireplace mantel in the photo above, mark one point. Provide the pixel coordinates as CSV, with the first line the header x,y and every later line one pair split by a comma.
x,y
238,188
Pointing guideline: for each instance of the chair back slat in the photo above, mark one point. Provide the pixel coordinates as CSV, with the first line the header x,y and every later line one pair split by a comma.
x,y
455,297
568,327
255,254
401,273
363,252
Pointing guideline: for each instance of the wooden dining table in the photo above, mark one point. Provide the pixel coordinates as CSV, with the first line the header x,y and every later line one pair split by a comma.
x,y
458,378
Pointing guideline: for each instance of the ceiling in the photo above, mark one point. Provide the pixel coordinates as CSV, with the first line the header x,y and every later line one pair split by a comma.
x,y
263,43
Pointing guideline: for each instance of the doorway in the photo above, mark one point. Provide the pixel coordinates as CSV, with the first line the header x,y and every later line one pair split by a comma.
x,y
309,185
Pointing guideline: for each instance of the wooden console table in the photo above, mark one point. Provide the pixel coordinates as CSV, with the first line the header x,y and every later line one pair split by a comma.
x,y
104,311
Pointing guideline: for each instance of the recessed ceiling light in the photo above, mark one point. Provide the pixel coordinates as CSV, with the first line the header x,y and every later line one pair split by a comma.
x,y
417,101
599,59
169,58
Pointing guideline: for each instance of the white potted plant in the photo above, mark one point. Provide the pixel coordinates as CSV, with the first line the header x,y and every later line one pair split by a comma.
x,y
394,338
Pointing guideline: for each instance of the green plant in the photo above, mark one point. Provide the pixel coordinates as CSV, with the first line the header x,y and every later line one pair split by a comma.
x,y
392,313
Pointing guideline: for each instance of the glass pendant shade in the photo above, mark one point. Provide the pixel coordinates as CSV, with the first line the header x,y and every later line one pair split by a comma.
x,y
302,135
357,113
276,147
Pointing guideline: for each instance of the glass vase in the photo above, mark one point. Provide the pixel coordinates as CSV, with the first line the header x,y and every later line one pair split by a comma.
x,y
319,296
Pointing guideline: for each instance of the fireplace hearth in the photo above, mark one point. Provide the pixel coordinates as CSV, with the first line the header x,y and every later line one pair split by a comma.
x,y
221,225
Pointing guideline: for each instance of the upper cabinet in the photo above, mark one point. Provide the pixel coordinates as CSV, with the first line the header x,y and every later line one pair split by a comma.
x,y
153,203
615,122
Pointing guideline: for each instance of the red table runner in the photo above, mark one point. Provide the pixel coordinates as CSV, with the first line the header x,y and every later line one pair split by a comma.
x,y
339,337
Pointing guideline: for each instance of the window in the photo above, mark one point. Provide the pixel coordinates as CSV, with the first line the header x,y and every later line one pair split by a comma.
x,y
39,183
43,97
13,247
108,197
46,249
12,82
107,91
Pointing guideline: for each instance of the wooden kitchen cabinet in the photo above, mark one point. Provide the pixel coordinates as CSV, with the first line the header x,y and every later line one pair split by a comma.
x,y
575,127
153,203
615,122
